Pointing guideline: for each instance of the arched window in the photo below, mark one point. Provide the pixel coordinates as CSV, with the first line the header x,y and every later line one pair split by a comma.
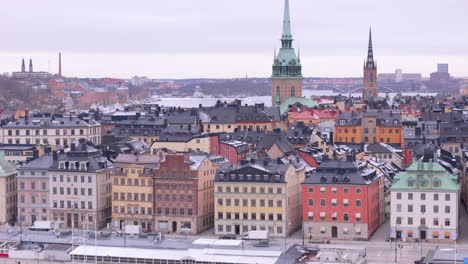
x,y
293,91
371,76
277,91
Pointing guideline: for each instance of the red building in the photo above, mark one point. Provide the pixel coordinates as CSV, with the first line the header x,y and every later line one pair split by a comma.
x,y
233,151
183,191
342,200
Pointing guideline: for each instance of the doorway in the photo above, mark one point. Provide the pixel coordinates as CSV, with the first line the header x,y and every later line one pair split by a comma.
x,y
237,229
422,234
174,226
334,232
33,219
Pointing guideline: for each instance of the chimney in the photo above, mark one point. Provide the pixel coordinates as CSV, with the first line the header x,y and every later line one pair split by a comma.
x,y
54,155
60,65
72,148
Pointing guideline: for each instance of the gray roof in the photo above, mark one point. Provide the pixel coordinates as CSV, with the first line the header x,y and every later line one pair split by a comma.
x,y
253,167
341,172
41,163
45,122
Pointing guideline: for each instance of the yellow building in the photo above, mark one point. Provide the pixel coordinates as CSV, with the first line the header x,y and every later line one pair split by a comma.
x,y
132,190
184,143
258,195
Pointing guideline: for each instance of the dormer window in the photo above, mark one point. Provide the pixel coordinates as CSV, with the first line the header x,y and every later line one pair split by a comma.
x,y
62,165
436,183
342,122
221,176
233,177
423,182
265,177
72,165
410,182
277,177
395,121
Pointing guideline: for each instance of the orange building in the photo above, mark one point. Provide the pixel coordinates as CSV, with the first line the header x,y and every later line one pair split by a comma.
x,y
369,127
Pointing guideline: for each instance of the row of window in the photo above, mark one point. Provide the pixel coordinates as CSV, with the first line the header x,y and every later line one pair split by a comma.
x,y
334,202
173,211
366,139
70,204
435,196
334,216
134,182
133,210
33,199
45,141
37,132
61,191
253,216
143,197
332,190
174,186
422,221
174,197
228,189
246,228
346,230
69,178
249,177
253,202
435,208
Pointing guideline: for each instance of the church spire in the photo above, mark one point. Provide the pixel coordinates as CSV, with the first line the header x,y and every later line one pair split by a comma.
x,y
286,37
286,22
370,53
23,66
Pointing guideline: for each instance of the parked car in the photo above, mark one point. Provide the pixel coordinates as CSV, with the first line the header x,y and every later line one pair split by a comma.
x,y
228,237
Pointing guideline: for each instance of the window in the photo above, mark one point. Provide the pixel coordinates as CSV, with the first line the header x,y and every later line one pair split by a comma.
x,y
398,220
322,189
436,197
345,202
358,190
358,203
447,209
310,189
447,197
410,196
423,221
311,202
345,190
345,217
398,196
410,208
447,221
398,207
410,220
322,202
436,221
358,217
423,208
423,196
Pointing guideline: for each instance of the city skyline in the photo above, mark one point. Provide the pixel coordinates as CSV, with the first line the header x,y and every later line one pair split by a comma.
x,y
187,40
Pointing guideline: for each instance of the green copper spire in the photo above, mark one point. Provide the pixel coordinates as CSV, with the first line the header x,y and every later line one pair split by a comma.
x,y
286,22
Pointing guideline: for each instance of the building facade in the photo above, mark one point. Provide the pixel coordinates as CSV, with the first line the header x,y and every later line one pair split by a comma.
x,y
424,202
80,187
287,68
51,131
342,201
8,198
132,188
258,195
33,191
183,191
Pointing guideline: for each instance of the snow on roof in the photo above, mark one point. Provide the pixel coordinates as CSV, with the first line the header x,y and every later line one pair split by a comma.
x,y
199,255
217,242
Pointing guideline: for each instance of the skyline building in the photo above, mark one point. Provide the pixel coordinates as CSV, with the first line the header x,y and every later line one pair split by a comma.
x,y
287,68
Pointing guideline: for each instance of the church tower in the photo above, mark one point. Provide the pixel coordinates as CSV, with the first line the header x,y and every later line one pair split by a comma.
x,y
370,89
30,65
23,66
287,69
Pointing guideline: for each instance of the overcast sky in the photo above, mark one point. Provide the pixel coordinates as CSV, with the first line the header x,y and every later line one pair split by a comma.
x,y
222,38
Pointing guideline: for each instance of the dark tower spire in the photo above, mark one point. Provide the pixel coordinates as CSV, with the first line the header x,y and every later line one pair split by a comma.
x,y
370,53
30,65
23,66
370,89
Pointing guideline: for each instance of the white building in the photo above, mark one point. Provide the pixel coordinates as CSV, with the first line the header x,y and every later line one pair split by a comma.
x,y
50,131
424,202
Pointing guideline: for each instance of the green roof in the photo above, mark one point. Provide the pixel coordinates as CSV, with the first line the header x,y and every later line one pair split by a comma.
x,y
284,107
425,176
6,167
